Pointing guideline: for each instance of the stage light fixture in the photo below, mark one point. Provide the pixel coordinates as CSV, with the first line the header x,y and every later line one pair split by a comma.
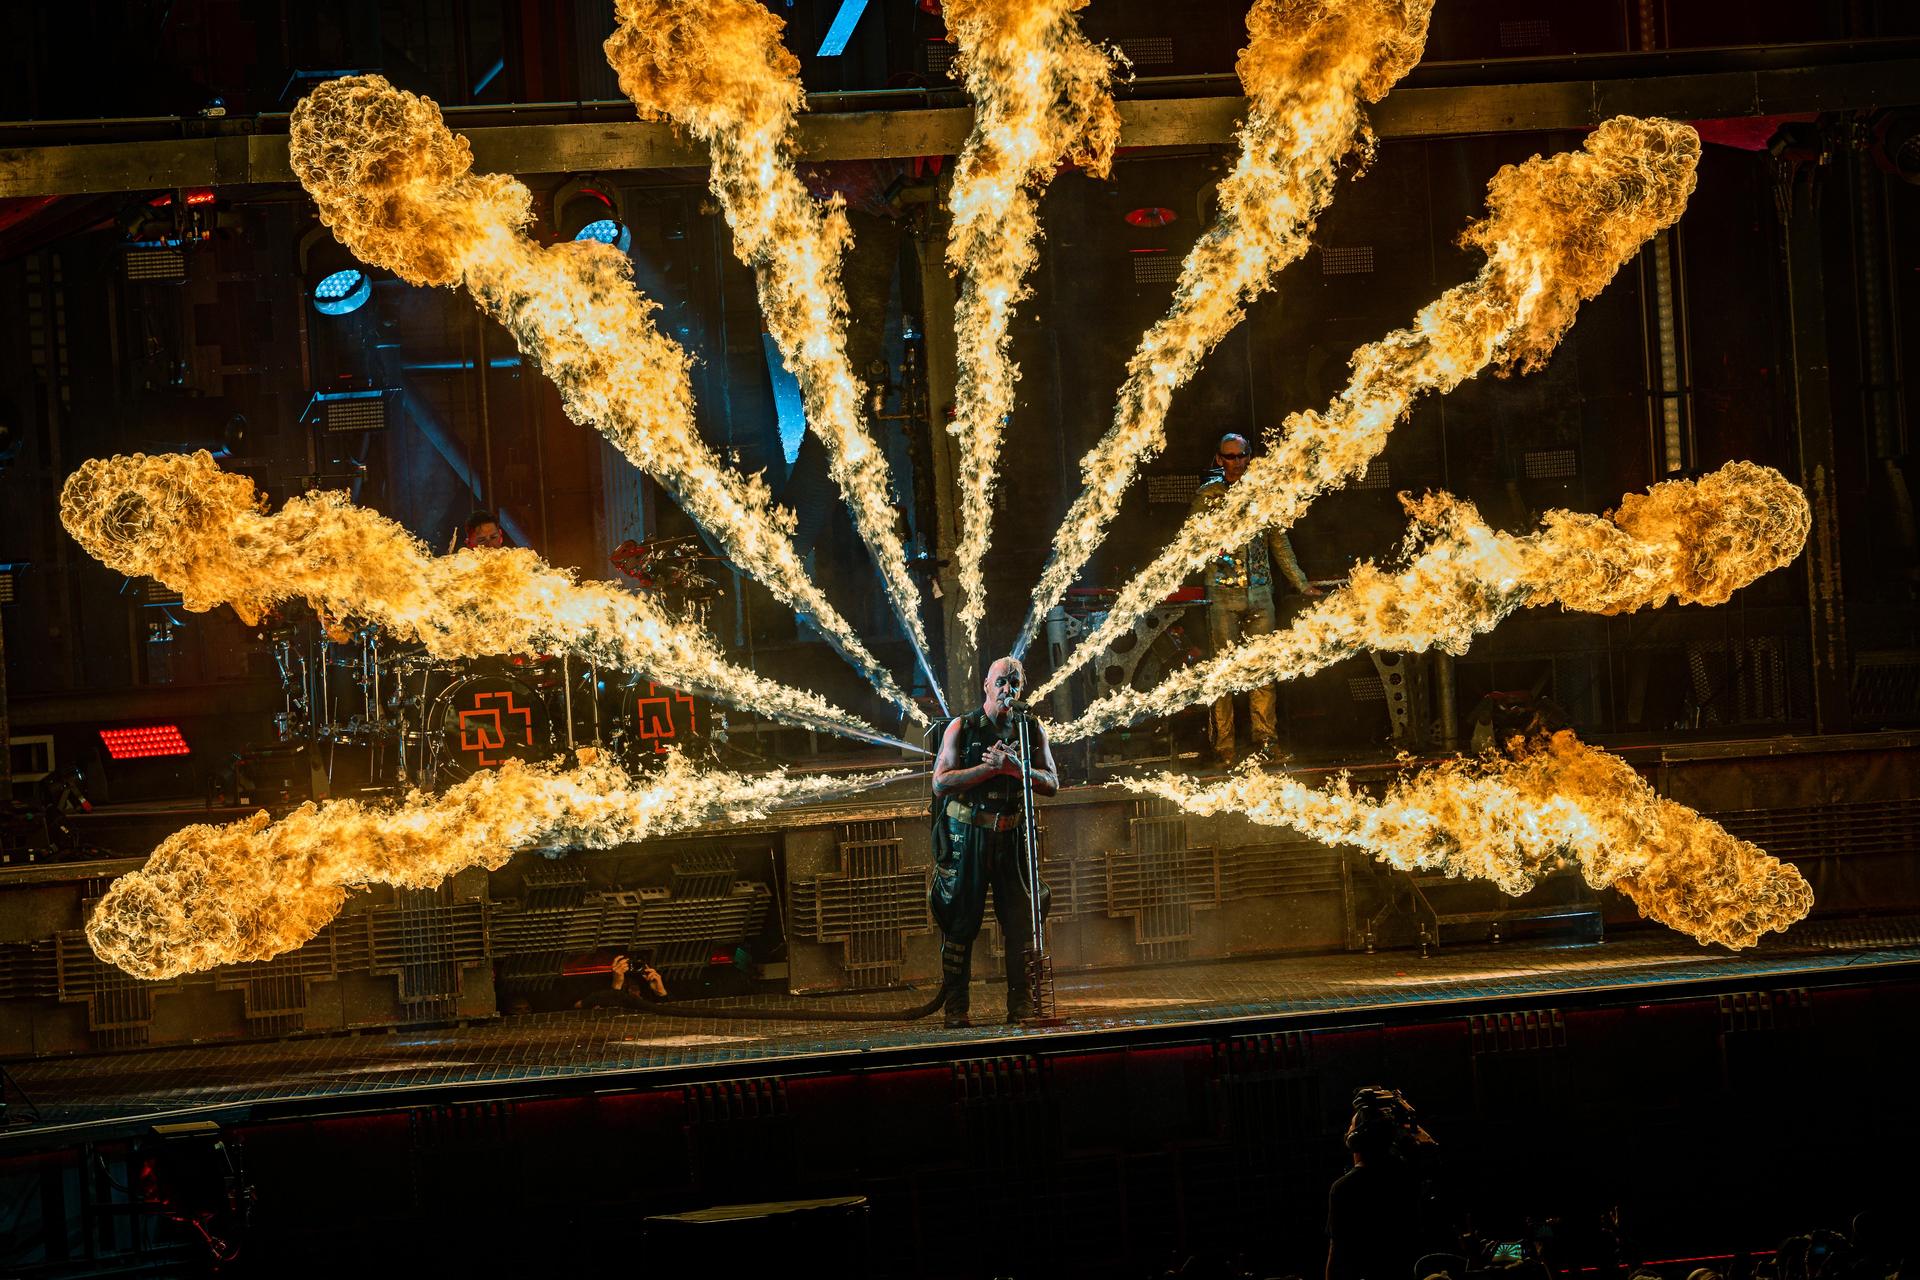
x,y
141,742
342,292
337,283
589,209
342,412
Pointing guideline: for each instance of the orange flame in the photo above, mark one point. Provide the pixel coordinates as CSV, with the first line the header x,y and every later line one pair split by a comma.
x,y
1514,821
1556,231
1041,97
397,188
1694,541
1307,68
717,68
254,889
182,521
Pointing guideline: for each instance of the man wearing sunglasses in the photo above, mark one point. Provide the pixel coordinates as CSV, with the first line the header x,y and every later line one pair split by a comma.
x,y
1240,594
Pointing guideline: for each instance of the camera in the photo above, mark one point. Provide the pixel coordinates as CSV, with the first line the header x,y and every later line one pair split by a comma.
x,y
1386,1123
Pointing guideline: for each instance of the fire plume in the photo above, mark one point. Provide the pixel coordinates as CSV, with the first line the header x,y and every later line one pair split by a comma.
x,y
398,190
254,889
1692,541
1307,68
184,522
1513,821
717,69
1556,231
1041,97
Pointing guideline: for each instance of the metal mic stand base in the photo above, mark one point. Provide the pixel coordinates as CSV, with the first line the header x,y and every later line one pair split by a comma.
x,y
1041,1008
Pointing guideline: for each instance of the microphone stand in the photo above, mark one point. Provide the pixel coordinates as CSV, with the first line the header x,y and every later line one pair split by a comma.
x,y
1039,964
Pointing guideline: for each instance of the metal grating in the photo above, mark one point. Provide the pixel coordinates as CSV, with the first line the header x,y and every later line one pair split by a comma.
x,y
1886,686
362,413
1525,33
1155,268
166,266
154,593
1378,476
1366,689
1758,680
1522,1031
1550,464
870,905
1148,51
1171,490
1887,827
940,59
722,1101
1346,260
1290,867
1789,1008
1160,881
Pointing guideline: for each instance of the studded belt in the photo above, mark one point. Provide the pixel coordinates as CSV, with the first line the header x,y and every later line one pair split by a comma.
x,y
974,818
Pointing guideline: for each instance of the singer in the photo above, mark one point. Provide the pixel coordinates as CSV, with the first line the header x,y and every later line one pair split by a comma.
x,y
978,842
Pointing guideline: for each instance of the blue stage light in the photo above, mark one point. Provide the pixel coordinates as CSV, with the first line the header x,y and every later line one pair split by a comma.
x,y
607,231
342,292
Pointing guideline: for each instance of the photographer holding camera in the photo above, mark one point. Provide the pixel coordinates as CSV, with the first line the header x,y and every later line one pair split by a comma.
x,y
1376,1211
629,989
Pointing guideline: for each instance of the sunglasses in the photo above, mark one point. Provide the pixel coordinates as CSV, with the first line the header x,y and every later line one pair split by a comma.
x,y
1231,457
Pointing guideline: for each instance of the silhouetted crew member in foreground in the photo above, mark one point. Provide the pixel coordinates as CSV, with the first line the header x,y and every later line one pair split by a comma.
x,y
1378,1212
977,839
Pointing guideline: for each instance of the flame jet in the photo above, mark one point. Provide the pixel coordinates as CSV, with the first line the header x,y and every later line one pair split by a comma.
x,y
1307,68
1557,229
254,889
184,522
1041,96
717,69
1514,821
1694,541
398,190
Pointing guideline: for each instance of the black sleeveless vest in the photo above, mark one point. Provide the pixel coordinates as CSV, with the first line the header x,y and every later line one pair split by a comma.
x,y
995,795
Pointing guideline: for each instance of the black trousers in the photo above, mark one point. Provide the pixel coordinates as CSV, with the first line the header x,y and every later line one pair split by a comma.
x,y
971,862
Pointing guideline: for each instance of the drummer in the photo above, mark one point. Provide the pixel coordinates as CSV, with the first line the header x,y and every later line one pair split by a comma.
x,y
482,529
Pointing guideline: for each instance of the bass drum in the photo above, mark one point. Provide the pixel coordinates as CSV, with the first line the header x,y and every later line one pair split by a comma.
x,y
479,721
653,719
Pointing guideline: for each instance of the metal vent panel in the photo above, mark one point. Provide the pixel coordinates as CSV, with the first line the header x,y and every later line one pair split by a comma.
x,y
1155,268
1172,490
1550,464
1346,260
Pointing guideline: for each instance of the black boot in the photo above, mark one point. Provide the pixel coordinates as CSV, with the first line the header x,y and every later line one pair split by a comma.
x,y
1019,989
956,963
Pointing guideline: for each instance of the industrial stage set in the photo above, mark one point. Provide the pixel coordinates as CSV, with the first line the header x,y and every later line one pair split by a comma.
x,y
716,628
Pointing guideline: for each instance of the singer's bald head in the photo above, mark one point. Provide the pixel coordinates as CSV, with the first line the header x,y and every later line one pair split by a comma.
x,y
1005,681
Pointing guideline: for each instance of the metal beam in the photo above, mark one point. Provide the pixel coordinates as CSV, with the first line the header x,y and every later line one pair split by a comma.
x,y
1801,246
252,159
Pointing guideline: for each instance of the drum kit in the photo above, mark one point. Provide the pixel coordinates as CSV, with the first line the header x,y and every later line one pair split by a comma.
x,y
383,714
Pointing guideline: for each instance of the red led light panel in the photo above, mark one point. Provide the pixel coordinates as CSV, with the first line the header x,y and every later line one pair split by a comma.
x,y
143,741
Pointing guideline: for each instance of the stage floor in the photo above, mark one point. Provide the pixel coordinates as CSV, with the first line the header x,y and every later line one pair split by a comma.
x,y
278,1078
